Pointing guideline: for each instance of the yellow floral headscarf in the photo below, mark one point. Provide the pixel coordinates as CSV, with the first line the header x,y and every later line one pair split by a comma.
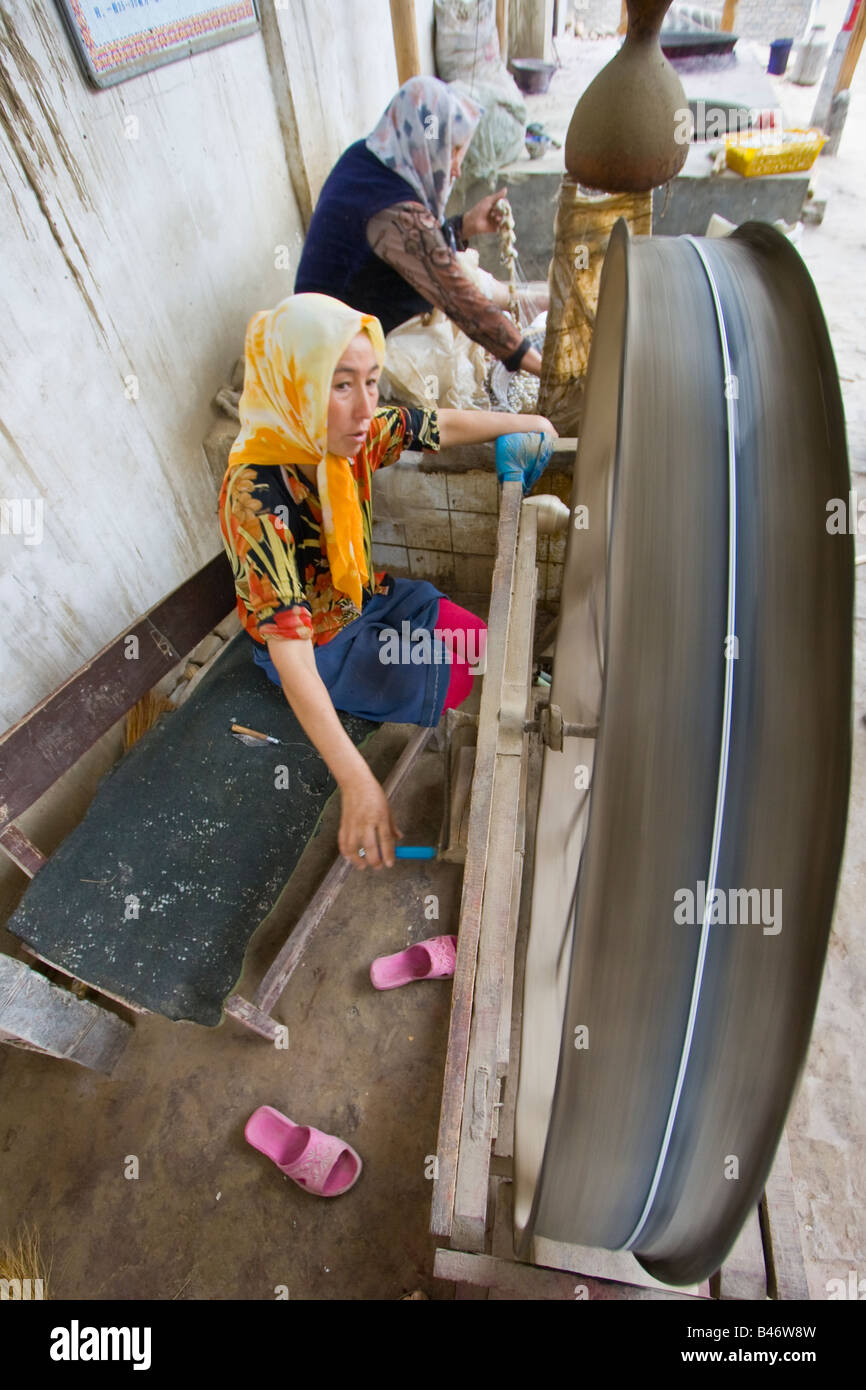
x,y
291,353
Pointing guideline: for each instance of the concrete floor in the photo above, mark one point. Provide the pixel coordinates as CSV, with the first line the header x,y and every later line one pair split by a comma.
x,y
210,1218
827,1124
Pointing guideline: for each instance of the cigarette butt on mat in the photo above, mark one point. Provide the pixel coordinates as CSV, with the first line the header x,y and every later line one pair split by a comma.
x,y
253,733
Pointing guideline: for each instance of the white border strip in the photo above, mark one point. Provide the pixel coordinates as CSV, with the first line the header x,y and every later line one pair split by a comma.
x,y
721,785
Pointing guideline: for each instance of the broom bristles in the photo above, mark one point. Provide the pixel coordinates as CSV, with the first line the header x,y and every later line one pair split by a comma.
x,y
21,1258
143,716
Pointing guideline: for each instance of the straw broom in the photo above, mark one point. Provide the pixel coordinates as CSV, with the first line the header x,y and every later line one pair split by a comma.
x,y
21,1258
143,716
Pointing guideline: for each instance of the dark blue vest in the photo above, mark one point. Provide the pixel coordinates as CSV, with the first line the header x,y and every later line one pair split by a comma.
x,y
337,259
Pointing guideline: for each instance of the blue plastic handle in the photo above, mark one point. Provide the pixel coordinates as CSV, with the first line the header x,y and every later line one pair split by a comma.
x,y
414,851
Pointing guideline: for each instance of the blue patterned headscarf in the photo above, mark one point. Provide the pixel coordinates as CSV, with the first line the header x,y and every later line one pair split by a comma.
x,y
421,127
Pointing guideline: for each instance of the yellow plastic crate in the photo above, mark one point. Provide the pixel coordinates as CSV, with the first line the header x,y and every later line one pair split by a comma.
x,y
788,153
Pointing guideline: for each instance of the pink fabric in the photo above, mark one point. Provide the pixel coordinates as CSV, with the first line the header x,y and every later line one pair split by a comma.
x,y
451,618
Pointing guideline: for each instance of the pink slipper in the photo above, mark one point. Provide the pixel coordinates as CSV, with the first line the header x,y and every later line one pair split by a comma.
x,y
430,960
317,1162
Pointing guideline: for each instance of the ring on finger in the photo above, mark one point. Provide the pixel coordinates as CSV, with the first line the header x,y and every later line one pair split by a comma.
x,y
362,853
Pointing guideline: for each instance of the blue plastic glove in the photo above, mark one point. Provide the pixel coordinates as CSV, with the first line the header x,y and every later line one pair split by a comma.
x,y
523,457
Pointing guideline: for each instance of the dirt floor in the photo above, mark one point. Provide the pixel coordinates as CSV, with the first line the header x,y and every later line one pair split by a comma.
x,y
209,1218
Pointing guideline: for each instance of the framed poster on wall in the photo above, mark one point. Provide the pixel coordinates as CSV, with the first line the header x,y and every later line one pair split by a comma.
x,y
117,39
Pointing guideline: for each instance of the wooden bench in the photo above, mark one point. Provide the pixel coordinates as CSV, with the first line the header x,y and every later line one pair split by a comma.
x,y
44,745
173,816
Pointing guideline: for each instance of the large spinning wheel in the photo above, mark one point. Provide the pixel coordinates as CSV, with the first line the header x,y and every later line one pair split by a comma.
x,y
706,630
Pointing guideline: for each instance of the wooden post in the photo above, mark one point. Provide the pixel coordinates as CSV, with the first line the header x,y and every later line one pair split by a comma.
x,y
287,115
405,33
729,16
852,52
502,26
623,18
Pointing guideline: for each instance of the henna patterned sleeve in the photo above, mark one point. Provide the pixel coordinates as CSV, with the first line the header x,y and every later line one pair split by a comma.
x,y
411,241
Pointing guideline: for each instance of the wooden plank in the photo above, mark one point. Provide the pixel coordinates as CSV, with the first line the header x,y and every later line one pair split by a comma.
x,y
45,1018
405,31
744,1273
21,851
473,1166
54,735
73,979
284,100
242,1011
454,1084
504,1146
618,1266
528,1283
852,53
780,1228
491,1021
729,16
289,957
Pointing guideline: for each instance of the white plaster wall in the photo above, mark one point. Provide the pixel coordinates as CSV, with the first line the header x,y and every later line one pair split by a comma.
x,y
121,257
143,258
343,71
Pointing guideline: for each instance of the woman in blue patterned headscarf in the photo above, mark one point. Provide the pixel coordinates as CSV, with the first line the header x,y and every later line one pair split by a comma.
x,y
379,239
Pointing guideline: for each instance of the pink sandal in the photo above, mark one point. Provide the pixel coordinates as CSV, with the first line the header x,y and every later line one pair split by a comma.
x,y
317,1162
430,960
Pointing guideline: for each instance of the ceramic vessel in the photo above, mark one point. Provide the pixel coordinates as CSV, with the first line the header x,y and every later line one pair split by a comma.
x,y
632,127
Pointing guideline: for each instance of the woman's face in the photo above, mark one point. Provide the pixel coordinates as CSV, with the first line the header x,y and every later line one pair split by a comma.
x,y
354,397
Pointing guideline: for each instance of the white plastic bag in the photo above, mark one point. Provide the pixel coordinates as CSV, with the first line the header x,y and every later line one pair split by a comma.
x,y
467,40
431,362
469,59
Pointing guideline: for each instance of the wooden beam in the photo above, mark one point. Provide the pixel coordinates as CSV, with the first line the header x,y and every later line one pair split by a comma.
x,y
405,32
21,851
852,52
729,16
254,1013
275,54
54,735
481,820
623,18
38,1015
502,26
529,1283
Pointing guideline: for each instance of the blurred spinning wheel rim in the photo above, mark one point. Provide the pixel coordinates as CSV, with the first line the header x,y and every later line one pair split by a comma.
x,y
710,363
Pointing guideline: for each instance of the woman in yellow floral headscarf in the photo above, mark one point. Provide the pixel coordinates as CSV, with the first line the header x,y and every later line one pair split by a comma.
x,y
295,514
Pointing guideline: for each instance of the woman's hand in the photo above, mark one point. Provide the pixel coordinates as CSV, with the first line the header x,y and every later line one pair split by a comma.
x,y
366,823
484,217
523,457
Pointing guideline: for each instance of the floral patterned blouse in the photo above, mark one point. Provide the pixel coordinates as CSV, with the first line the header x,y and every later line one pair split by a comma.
x,y
271,523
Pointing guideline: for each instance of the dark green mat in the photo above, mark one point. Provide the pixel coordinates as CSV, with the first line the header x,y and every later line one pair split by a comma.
x,y
191,831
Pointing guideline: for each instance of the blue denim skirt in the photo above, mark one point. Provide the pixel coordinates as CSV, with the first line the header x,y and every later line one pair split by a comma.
x,y
355,668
